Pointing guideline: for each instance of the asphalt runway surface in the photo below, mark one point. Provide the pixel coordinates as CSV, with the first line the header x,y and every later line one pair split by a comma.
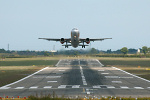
x,y
79,77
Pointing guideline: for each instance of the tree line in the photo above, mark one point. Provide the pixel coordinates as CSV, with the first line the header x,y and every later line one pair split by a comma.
x,y
144,50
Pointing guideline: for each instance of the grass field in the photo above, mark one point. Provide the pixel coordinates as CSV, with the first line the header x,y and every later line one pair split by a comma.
x,y
14,69
136,66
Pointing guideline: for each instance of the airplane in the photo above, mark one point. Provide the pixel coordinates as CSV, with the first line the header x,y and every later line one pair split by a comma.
x,y
74,40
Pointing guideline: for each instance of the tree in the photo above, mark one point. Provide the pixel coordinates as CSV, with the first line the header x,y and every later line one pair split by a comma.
x,y
148,50
46,53
124,50
2,51
144,49
93,51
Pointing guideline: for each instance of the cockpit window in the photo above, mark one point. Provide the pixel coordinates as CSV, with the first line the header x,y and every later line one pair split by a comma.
x,y
75,29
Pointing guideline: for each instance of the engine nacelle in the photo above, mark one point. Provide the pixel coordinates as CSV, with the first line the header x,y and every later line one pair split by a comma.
x,y
62,40
87,40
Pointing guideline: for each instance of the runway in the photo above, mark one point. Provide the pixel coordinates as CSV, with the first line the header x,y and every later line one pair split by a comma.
x,y
79,77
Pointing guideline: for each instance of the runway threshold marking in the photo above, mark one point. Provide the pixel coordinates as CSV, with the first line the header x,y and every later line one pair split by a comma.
x,y
75,86
110,87
47,87
33,87
138,88
96,87
51,81
62,86
124,87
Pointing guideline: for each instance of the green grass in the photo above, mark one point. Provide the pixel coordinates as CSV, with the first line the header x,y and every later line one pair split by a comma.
x,y
12,74
127,63
130,65
28,63
14,69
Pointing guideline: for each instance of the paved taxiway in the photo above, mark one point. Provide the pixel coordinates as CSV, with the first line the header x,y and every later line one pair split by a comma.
x,y
79,77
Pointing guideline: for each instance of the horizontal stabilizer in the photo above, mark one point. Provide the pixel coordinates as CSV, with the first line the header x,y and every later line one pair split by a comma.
x,y
67,45
83,45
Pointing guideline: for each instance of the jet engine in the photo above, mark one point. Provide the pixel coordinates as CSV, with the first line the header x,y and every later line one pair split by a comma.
x,y
62,40
87,40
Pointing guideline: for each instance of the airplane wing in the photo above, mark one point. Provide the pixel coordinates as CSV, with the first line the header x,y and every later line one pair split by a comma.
x,y
98,39
83,45
61,39
50,39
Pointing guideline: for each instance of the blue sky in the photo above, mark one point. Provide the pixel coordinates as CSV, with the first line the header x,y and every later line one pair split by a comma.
x,y
22,22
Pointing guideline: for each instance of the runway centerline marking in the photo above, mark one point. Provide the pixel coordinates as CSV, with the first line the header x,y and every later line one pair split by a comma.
x,y
83,77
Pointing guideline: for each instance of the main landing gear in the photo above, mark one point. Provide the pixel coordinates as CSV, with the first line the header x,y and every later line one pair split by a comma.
x,y
66,46
83,46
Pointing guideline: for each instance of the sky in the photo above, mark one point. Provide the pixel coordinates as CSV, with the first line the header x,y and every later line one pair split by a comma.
x,y
22,22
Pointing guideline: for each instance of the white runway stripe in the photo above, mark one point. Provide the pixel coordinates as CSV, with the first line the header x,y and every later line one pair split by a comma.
x,y
111,76
116,81
82,75
5,87
47,87
51,81
124,87
110,87
101,70
33,87
96,87
75,86
53,76
62,86
138,88
105,73
19,87
61,70
125,77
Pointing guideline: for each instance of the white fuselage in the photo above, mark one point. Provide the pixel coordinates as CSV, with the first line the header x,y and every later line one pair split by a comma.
x,y
75,37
